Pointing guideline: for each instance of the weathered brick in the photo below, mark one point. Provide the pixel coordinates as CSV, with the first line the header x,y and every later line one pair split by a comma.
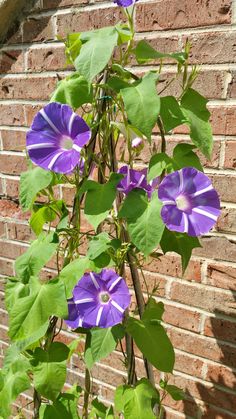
x,y
217,248
210,84
12,61
12,188
12,164
83,21
20,232
13,140
30,112
209,47
208,299
52,4
227,220
204,347
221,276
221,375
230,155
6,268
225,186
12,115
182,317
171,265
47,59
169,14
35,88
38,30
221,328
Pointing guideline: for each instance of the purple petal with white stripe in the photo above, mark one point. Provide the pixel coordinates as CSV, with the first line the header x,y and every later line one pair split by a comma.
x,y
98,300
190,203
135,179
56,137
125,3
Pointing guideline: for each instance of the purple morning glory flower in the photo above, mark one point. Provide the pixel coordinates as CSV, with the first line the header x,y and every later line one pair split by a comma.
x,y
56,137
135,179
125,3
190,203
98,300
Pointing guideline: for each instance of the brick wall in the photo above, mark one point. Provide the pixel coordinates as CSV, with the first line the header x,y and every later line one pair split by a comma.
x,y
200,308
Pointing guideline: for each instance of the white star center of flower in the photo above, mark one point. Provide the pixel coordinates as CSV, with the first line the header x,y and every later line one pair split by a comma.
x,y
182,203
104,297
67,143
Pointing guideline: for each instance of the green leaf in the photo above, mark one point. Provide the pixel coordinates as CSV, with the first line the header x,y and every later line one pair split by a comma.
x,y
146,230
134,204
116,83
194,108
71,274
14,380
32,312
49,369
99,410
74,91
144,52
180,243
96,52
99,199
142,103
104,341
151,338
184,156
40,217
171,113
124,32
175,392
137,402
158,163
99,244
31,183
37,255
65,407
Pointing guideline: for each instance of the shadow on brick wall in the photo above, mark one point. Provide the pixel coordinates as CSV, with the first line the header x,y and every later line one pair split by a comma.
x,y
220,396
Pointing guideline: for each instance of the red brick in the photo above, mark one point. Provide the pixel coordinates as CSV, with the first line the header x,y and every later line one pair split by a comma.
x,y
20,232
217,248
204,347
30,112
35,88
227,220
232,86
38,29
223,120
182,317
171,265
47,59
230,155
13,140
206,392
12,165
11,250
220,328
225,186
6,268
222,276
221,375
12,115
52,4
209,47
168,14
189,365
12,188
209,83
213,413
209,299
12,61
9,209
93,19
